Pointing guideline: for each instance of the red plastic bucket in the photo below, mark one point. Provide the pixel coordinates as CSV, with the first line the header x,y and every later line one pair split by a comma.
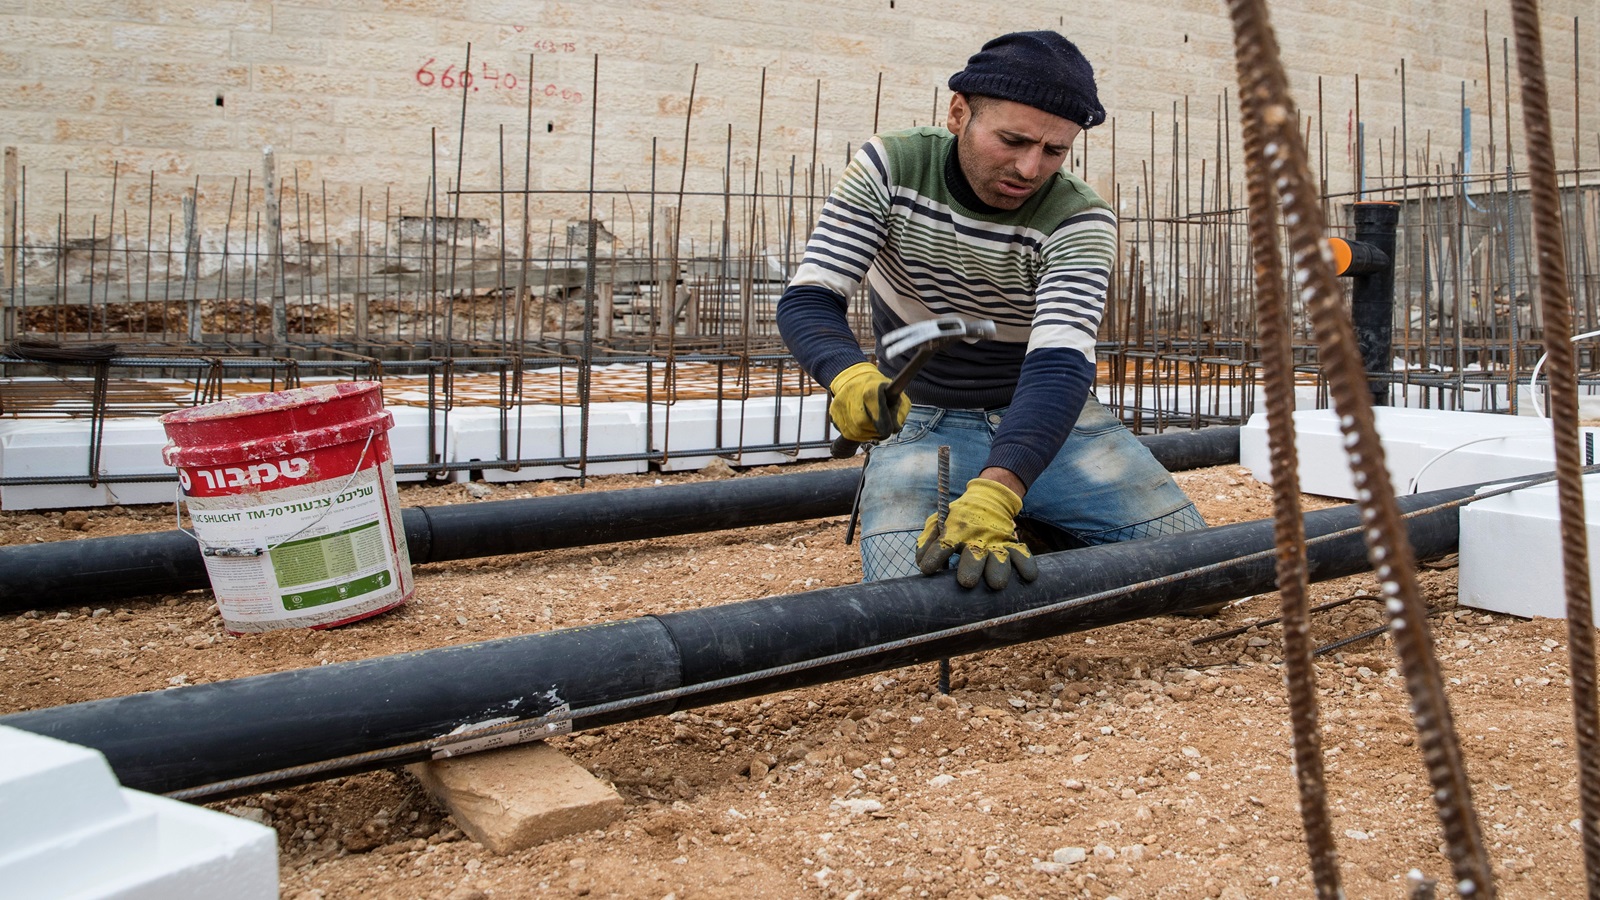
x,y
292,499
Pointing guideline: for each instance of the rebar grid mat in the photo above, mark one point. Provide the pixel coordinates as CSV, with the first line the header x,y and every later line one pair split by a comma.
x,y
1171,382
653,380
71,398
398,283
621,382
75,396
451,267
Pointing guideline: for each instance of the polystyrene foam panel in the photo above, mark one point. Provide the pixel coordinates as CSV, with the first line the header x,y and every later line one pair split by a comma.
x,y
1435,448
408,439
693,432
1511,551
199,855
551,432
67,829
60,448
64,787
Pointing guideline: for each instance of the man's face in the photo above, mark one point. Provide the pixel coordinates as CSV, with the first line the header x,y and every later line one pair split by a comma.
x,y
1009,149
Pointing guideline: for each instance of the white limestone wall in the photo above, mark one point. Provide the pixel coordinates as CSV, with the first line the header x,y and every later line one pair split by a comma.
x,y
361,100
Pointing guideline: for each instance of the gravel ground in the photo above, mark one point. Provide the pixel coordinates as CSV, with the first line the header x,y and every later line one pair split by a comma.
x,y
1127,761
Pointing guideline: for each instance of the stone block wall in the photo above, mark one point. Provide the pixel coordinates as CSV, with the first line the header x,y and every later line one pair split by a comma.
x,y
367,106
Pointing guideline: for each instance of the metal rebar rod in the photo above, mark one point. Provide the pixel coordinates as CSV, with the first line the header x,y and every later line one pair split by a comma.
x,y
586,361
1545,196
942,513
1277,358
1388,549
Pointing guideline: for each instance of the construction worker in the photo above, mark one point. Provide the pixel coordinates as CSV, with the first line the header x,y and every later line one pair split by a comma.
x,y
980,221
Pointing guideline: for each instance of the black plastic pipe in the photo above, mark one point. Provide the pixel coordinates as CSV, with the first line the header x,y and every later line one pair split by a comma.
x,y
192,736
98,570
1180,451
1372,293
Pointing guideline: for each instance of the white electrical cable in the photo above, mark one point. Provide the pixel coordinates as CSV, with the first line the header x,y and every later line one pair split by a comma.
x,y
1533,393
1417,478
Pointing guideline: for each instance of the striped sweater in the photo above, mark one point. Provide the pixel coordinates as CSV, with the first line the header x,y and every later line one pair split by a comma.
x,y
904,220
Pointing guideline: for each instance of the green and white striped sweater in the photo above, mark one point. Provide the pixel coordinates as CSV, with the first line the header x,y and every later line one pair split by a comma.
x,y
903,220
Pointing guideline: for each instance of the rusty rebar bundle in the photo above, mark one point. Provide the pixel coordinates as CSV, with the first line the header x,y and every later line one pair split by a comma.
x,y
1557,307
1273,340
1388,551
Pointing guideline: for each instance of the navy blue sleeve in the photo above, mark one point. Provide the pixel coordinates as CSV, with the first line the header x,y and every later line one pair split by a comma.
x,y
1051,390
812,321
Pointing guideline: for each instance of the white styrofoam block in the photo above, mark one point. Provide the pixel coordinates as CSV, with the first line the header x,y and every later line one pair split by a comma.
x,y
74,862
470,433
693,432
615,429
1510,551
7,426
133,447
64,787
1425,449
754,422
1588,403
1437,449
798,418
58,448
1255,453
1177,401
1490,459
1324,469
200,855
551,432
67,829
687,433
812,415
408,439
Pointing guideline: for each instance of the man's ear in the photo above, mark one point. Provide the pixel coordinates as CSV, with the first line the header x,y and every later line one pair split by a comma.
x,y
960,114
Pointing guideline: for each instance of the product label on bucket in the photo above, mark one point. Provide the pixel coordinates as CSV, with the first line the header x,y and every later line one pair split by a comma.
x,y
303,556
302,565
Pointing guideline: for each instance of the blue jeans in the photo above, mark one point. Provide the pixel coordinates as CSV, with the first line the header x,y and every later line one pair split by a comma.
x,y
1102,487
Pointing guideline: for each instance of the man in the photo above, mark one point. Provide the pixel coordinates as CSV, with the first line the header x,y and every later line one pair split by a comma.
x,y
980,221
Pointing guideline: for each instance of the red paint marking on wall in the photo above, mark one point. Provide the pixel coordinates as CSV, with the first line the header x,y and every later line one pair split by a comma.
x,y
451,78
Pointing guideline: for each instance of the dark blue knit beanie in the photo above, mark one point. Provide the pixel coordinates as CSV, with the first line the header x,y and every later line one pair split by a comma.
x,y
1041,69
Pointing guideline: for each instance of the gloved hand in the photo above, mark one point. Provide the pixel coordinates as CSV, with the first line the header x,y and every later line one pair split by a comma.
x,y
860,410
981,525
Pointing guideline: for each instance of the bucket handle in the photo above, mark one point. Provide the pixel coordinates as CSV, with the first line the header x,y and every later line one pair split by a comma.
x,y
240,552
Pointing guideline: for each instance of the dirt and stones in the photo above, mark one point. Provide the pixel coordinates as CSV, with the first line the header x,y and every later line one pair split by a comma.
x,y
1126,762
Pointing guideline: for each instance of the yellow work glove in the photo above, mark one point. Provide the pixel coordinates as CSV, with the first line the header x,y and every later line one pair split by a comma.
x,y
859,408
981,525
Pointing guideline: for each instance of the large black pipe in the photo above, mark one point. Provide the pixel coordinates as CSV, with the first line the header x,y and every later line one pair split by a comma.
x,y
1372,294
98,570
192,736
